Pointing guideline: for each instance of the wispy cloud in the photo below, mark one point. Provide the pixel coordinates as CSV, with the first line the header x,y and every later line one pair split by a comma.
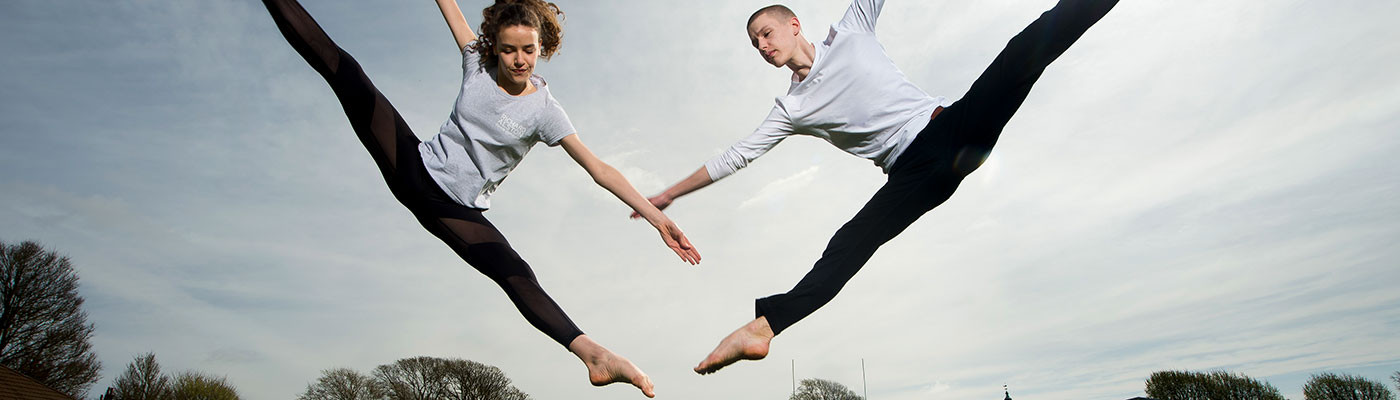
x,y
775,194
1183,189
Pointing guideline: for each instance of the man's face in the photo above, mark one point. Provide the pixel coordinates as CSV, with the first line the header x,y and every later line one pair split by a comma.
x,y
775,39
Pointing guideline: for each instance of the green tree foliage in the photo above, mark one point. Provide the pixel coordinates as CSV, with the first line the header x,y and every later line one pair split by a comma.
x,y
143,380
44,332
1330,386
821,389
344,384
1184,385
199,386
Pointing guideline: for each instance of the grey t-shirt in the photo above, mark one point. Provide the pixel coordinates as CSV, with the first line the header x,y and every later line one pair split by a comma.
x,y
488,134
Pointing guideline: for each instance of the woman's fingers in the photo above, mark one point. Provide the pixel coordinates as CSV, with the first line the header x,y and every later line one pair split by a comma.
x,y
676,240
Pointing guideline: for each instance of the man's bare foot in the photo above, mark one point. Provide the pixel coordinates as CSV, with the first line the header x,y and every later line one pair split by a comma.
x,y
606,367
749,342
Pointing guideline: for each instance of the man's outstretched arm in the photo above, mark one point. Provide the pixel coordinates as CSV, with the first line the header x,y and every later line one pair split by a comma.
x,y
768,134
697,180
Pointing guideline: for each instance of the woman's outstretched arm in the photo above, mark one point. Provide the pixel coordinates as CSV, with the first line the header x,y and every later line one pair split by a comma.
x,y
612,180
457,23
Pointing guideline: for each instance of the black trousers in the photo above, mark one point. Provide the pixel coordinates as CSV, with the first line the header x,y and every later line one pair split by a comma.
x,y
394,148
954,144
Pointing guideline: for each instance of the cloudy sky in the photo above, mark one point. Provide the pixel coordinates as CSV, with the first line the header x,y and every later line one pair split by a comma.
x,y
1191,188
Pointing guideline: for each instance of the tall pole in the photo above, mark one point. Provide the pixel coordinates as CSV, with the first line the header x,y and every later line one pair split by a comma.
x,y
863,386
794,376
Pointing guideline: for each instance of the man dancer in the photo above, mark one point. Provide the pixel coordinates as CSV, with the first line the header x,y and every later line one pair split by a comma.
x,y
847,91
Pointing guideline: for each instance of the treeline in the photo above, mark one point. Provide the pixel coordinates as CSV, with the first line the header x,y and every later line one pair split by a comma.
x,y
417,378
44,335
144,380
1185,385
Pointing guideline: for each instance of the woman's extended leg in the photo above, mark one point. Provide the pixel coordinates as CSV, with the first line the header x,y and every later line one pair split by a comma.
x,y
478,242
378,125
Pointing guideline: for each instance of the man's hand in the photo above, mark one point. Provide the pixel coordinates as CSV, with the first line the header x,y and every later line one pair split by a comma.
x,y
660,201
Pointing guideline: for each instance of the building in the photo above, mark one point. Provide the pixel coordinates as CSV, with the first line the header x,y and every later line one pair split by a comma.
x,y
16,386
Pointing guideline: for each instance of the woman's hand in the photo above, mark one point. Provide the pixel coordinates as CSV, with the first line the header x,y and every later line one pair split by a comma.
x,y
608,177
676,240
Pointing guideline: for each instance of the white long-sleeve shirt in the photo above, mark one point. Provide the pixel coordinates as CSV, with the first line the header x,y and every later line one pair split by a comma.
x,y
853,97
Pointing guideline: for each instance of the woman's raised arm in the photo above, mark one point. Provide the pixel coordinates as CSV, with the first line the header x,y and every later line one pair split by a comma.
x,y
457,23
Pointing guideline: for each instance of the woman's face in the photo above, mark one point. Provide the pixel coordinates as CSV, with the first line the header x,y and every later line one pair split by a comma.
x,y
517,48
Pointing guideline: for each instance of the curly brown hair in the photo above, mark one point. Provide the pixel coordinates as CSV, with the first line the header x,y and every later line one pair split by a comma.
x,y
544,16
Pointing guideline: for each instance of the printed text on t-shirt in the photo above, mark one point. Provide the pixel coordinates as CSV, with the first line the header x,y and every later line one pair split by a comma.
x,y
509,125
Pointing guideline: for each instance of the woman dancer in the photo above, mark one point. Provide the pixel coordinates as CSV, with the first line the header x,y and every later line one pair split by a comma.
x,y
502,111
847,91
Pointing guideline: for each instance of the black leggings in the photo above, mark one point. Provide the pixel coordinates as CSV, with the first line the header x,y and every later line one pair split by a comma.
x,y
392,144
953,145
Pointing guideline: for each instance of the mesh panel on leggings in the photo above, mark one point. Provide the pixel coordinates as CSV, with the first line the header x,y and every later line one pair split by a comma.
x,y
373,119
486,249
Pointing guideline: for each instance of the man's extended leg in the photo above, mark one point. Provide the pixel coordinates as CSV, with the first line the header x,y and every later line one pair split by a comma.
x,y
997,94
913,189
910,192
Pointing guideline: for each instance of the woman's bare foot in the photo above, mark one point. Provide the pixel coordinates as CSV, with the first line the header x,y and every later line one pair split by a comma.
x,y
749,342
606,367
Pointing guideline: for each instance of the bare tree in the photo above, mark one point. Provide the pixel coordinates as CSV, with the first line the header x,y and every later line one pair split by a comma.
x,y
422,378
143,380
199,386
1396,379
417,378
44,332
1330,386
821,389
471,380
344,384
